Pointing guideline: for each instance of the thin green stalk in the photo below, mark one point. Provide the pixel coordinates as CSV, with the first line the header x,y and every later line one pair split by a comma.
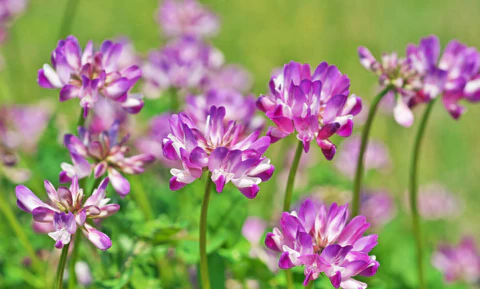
x,y
81,120
12,220
291,177
309,286
61,267
72,276
360,165
203,234
288,197
141,198
68,17
173,100
414,190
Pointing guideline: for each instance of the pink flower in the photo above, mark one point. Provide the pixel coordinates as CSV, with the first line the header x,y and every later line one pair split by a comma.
x,y
321,239
68,212
460,263
222,148
315,106
90,74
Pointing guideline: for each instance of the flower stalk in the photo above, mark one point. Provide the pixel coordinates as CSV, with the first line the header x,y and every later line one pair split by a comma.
x,y
203,234
414,192
291,177
61,267
360,163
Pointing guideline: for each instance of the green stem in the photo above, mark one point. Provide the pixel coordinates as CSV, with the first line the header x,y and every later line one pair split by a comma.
x,y
309,286
81,120
203,234
413,192
360,165
288,197
61,267
72,276
141,198
12,220
68,18
291,177
173,100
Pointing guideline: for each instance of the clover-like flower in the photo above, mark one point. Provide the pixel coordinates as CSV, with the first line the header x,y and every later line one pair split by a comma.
x,y
182,64
316,105
90,74
221,148
67,212
458,263
321,239
179,18
108,156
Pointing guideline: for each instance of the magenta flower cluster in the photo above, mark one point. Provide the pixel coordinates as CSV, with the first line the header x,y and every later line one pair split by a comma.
x,y
108,155
91,74
222,148
316,105
321,239
423,75
67,212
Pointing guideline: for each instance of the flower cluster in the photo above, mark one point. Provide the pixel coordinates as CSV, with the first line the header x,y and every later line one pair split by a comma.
x,y
181,64
378,207
321,239
316,105
90,74
423,75
435,202
67,211
108,155
460,263
221,147
187,18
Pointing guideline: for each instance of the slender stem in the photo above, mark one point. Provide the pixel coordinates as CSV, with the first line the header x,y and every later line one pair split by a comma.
x,y
289,275
61,267
68,18
310,285
173,99
81,120
203,234
12,220
413,192
291,177
72,276
360,165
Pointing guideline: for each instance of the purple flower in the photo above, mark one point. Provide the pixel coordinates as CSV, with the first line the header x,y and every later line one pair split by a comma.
x,y
239,108
376,156
108,156
67,211
187,18
9,9
315,106
181,64
460,263
104,114
321,239
424,75
400,74
90,74
253,230
84,274
222,148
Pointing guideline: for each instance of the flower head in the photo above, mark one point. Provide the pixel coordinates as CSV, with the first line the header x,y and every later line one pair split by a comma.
x,y
435,202
108,155
187,18
460,263
90,74
378,207
425,73
221,147
228,77
321,239
316,105
67,211
181,64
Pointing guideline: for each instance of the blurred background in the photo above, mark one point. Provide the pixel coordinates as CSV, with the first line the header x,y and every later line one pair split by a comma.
x,y
261,36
